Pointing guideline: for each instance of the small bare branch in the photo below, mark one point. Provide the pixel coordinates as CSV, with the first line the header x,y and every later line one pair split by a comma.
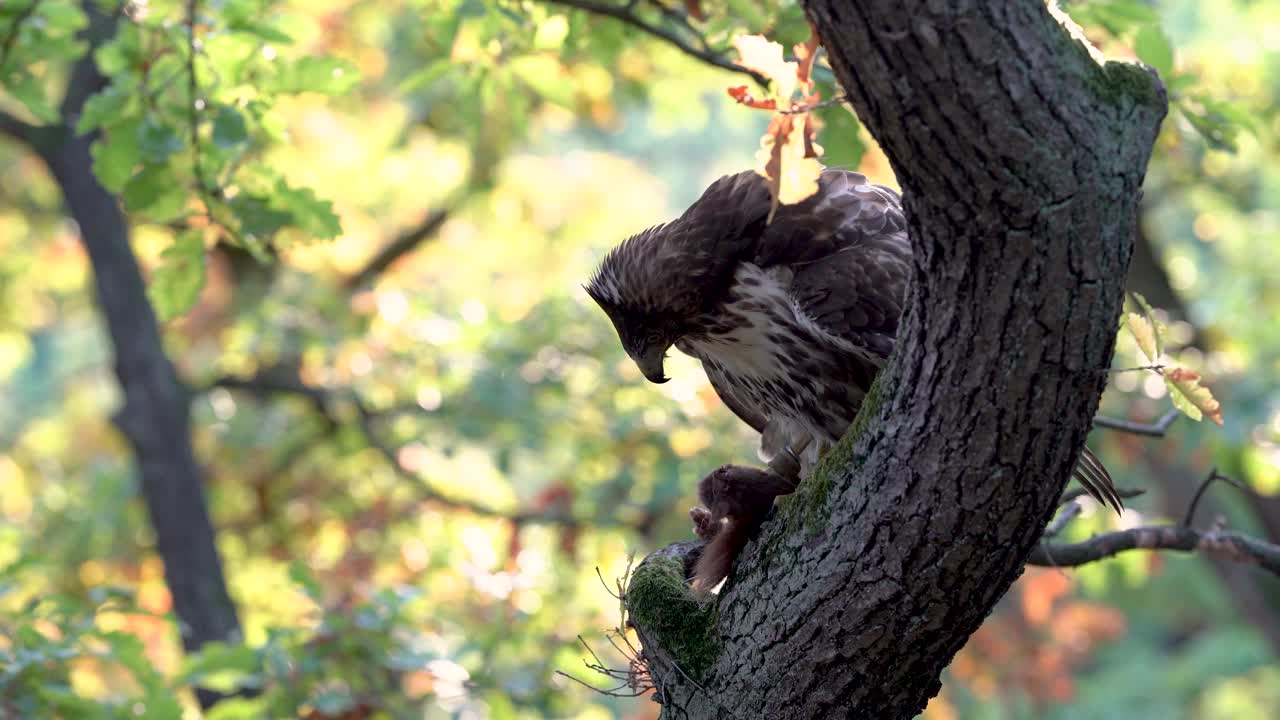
x,y
1075,493
626,14
1218,543
1213,476
838,100
1157,429
1067,514
402,245
283,380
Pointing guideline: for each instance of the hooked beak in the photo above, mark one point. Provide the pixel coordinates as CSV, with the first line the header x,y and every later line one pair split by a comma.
x,y
650,363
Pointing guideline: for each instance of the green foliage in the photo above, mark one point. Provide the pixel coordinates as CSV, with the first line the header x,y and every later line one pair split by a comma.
x,y
1217,119
53,634
179,277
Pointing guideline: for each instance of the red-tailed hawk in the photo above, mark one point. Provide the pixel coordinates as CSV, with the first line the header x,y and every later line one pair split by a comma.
x,y
792,318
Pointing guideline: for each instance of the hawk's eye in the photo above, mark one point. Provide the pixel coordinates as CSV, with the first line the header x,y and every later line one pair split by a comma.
x,y
653,338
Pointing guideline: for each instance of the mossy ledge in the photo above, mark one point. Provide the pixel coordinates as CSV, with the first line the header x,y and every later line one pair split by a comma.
x,y
1116,81
807,507
662,605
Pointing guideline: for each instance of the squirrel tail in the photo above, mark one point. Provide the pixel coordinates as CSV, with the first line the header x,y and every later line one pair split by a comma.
x,y
718,555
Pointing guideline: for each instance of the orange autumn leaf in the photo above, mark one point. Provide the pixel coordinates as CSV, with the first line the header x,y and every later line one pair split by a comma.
x,y
789,154
785,161
1188,395
744,97
806,52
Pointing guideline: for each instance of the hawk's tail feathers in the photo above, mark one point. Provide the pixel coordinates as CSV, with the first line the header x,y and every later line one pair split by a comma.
x,y
1096,481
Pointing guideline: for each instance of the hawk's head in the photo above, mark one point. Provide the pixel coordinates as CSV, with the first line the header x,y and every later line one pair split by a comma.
x,y
648,286
656,283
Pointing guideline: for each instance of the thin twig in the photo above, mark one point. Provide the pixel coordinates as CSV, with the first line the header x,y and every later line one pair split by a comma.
x,y
1067,514
1213,476
194,106
283,381
1076,493
1158,429
625,14
11,37
1157,368
838,100
402,245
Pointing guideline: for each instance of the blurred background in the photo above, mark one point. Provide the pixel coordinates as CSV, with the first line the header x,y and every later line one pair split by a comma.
x,y
424,454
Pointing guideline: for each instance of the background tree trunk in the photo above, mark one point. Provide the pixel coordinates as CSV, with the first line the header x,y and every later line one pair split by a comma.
x,y
1021,158
155,417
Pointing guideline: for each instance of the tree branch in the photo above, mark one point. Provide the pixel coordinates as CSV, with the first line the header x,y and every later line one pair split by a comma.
x,y
1218,543
1157,429
327,402
626,14
402,245
1076,493
17,129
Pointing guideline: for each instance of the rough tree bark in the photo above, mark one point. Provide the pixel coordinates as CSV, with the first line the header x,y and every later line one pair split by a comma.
x,y
155,417
1021,157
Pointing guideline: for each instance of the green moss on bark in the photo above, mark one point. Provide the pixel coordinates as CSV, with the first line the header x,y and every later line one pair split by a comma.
x,y
1116,82
807,507
661,603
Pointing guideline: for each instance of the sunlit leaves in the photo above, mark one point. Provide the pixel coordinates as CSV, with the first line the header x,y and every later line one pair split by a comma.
x,y
107,107
1117,16
788,156
765,57
230,132
326,75
1185,391
157,140
1217,119
312,214
1188,395
33,35
429,73
1148,331
1153,47
788,160
153,191
180,276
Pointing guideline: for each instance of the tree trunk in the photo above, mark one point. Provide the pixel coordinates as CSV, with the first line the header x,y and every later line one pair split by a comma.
x,y
155,417
1021,158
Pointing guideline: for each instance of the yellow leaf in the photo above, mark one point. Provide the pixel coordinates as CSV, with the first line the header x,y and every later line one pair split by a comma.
x,y
799,178
1145,334
1157,327
765,57
792,175
1188,395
